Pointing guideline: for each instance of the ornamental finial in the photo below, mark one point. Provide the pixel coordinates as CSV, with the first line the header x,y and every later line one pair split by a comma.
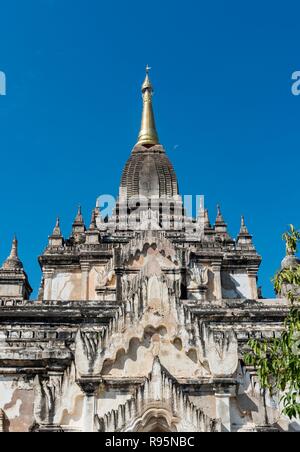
x,y
148,135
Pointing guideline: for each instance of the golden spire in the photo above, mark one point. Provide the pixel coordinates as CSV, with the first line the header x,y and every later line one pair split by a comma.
x,y
148,135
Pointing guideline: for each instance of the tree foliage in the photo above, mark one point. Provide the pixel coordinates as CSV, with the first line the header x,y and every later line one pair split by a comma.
x,y
291,239
278,360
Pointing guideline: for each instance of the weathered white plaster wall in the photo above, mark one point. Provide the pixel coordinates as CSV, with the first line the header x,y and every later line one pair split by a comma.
x,y
17,401
236,285
66,286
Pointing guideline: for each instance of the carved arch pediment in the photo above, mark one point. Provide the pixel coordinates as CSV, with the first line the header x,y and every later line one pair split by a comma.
x,y
149,242
159,397
155,419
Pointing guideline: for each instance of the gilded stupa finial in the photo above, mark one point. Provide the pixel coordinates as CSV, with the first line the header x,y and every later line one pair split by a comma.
x,y
148,135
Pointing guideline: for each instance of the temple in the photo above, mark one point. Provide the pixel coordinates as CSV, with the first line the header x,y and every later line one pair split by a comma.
x,y
142,319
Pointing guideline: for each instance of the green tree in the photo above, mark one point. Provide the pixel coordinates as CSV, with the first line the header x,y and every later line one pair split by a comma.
x,y
278,360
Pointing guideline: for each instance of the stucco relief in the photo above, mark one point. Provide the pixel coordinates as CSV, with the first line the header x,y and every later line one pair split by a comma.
x,y
151,324
57,400
159,403
221,351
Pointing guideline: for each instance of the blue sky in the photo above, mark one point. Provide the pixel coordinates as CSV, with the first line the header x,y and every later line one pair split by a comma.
x,y
224,109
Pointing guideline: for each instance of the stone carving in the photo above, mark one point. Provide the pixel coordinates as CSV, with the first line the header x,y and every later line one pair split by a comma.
x,y
89,345
199,275
158,394
47,399
149,220
143,240
55,399
221,351
197,282
105,277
